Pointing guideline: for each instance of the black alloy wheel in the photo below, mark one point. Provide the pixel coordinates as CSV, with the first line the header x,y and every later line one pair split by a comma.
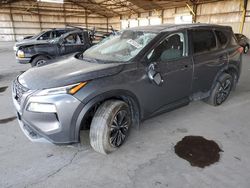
x,y
119,128
223,91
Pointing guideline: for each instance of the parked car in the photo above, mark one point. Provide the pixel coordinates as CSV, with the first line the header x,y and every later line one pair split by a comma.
x,y
243,41
126,78
42,36
40,51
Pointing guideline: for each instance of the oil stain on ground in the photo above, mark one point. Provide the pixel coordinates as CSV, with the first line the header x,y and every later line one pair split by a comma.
x,y
198,151
6,120
2,89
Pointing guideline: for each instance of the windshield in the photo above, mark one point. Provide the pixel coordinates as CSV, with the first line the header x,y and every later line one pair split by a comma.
x,y
121,47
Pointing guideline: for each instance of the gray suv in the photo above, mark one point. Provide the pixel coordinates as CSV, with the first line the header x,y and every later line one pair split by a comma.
x,y
124,79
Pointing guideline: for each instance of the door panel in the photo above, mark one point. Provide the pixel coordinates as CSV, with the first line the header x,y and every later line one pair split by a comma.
x,y
175,67
209,58
206,67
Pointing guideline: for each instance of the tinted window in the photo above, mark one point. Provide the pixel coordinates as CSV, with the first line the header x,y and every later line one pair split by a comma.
x,y
47,35
203,41
59,32
170,48
73,39
233,41
222,38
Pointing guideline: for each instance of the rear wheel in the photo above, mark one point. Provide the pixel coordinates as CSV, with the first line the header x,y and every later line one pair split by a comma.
x,y
110,126
221,90
39,60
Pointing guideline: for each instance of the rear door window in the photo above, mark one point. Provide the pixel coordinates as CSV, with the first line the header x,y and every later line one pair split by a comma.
x,y
203,41
222,38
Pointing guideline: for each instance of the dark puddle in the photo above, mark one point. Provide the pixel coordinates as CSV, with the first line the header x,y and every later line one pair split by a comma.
x,y
198,151
2,89
6,120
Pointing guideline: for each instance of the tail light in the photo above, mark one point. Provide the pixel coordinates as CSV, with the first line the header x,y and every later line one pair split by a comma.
x,y
240,50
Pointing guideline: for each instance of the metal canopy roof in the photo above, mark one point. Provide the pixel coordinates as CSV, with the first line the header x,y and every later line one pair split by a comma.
x,y
110,8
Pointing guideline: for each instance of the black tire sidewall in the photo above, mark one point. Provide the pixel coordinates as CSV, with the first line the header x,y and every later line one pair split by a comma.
x,y
36,59
100,126
222,79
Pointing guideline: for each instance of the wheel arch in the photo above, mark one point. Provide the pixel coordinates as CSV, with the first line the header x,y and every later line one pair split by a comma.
x,y
230,69
123,95
40,54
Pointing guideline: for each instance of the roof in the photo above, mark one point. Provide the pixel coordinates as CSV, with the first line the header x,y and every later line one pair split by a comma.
x,y
106,8
167,27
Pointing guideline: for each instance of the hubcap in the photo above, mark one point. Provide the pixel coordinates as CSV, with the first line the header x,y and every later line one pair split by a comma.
x,y
246,49
223,91
119,128
40,62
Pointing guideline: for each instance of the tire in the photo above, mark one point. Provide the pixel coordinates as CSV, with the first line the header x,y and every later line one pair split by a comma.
x,y
246,48
221,90
39,60
235,80
105,133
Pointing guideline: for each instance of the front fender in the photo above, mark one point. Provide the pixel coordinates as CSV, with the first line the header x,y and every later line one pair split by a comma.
x,y
127,96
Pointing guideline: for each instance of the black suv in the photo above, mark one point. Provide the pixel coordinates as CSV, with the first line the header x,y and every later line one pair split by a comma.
x,y
124,79
39,51
44,35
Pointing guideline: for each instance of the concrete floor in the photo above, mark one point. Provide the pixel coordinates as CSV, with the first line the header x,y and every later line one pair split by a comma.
x,y
146,160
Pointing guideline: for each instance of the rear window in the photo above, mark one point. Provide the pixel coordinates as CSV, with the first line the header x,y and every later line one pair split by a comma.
x,y
222,38
203,41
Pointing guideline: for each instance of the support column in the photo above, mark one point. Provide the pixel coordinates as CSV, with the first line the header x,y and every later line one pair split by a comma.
x,y
195,12
162,16
107,24
243,17
64,15
86,18
12,23
39,17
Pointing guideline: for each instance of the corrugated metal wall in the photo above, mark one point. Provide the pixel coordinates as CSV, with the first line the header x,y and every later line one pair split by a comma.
x,y
17,21
21,22
222,12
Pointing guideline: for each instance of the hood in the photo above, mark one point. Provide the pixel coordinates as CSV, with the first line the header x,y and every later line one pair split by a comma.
x,y
27,42
66,72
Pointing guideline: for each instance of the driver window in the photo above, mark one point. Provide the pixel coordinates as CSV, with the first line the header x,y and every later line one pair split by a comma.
x,y
170,48
73,39
46,36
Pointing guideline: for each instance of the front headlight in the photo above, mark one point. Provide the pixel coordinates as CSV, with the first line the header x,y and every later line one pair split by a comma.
x,y
20,53
70,89
41,107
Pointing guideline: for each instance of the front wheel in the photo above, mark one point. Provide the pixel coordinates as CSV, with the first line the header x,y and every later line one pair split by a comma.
x,y
110,126
39,60
221,90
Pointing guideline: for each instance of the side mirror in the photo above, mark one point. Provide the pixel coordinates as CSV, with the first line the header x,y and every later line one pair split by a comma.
x,y
154,76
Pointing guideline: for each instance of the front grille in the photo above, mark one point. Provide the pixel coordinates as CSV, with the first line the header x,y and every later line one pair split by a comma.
x,y
19,90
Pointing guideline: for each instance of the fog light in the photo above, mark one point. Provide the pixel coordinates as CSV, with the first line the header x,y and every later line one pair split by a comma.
x,y
41,107
20,54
